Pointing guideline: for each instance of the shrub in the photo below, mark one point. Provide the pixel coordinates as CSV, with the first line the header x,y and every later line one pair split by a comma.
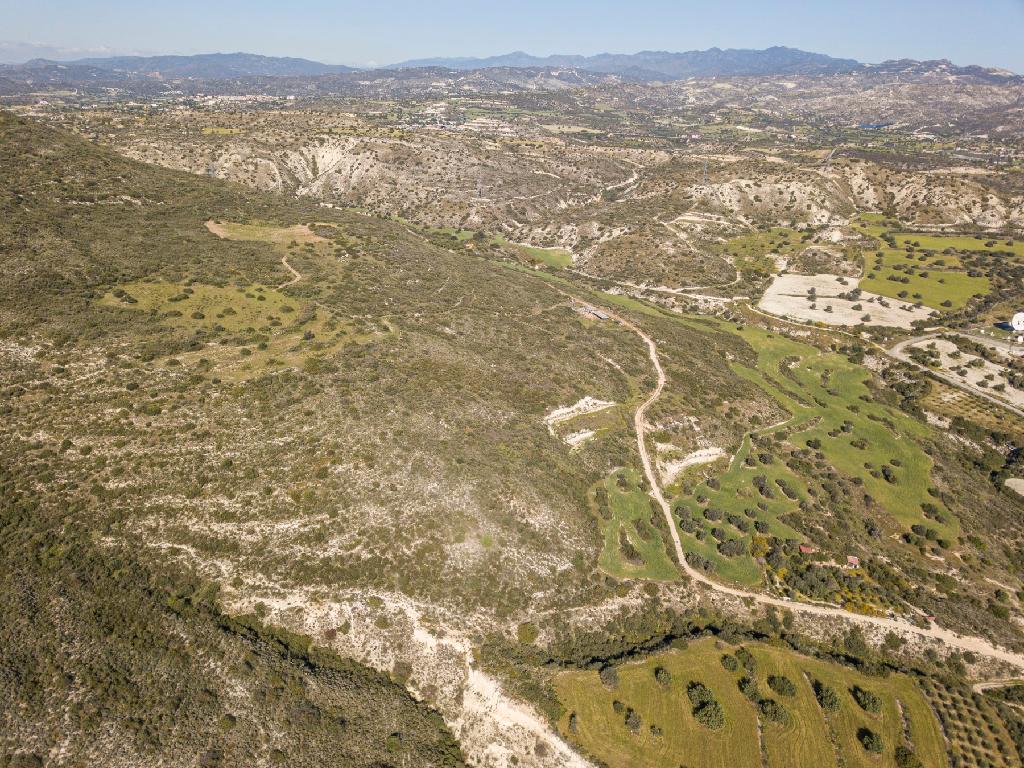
x,y
747,660
699,694
870,740
905,758
748,687
609,677
782,685
771,710
710,715
633,720
868,701
827,697
663,676
729,662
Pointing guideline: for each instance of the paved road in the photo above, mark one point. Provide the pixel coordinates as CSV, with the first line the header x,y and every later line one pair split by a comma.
x,y
976,645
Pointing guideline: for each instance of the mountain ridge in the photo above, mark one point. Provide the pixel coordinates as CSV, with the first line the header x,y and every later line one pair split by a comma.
x,y
667,64
643,65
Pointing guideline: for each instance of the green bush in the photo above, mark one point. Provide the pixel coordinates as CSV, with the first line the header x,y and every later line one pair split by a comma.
x,y
827,697
867,701
773,711
870,740
710,715
782,685
663,676
905,758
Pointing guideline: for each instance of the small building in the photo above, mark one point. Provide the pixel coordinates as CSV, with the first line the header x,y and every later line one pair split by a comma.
x,y
807,549
852,561
599,314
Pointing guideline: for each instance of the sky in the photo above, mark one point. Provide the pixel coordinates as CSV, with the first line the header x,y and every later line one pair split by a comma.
x,y
986,32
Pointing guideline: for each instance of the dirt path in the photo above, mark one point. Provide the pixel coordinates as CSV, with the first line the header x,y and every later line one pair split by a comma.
x,y
296,275
976,645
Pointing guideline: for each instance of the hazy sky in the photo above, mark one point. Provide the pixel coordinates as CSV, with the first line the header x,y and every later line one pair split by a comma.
x,y
988,32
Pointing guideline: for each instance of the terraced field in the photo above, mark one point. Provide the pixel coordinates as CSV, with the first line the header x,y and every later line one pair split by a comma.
x,y
833,413
633,543
927,268
664,733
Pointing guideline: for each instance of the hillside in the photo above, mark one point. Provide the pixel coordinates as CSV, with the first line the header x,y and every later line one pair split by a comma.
x,y
107,655
509,417
713,62
212,66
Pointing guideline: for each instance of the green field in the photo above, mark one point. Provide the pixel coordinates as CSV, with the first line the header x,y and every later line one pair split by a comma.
x,y
633,547
558,258
750,251
809,739
831,408
259,329
925,273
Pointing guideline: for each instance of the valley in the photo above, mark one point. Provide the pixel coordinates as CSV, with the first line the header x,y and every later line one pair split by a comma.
x,y
527,416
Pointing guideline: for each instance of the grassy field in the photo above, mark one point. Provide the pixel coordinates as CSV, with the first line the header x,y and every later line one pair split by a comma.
x,y
558,258
633,547
750,251
809,738
245,331
831,409
920,269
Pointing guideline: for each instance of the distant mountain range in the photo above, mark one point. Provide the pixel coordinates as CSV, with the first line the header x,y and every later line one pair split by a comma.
x,y
204,66
646,65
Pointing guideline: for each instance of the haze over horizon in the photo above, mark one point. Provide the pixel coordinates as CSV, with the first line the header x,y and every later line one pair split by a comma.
x,y
353,34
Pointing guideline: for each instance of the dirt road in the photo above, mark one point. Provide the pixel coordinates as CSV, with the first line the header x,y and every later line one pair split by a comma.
x,y
296,275
899,352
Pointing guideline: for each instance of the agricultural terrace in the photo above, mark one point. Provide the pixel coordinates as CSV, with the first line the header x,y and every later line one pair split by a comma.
x,y
727,512
927,268
717,706
753,252
556,258
632,529
243,331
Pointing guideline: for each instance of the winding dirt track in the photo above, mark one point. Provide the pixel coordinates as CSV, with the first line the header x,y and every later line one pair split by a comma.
x,y
976,645
296,275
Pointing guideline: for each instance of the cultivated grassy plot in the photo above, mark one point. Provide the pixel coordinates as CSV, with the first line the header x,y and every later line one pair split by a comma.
x,y
833,412
246,331
926,268
552,257
664,733
633,546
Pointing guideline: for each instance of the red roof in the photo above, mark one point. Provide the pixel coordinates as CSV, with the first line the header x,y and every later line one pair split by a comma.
x,y
806,549
852,560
